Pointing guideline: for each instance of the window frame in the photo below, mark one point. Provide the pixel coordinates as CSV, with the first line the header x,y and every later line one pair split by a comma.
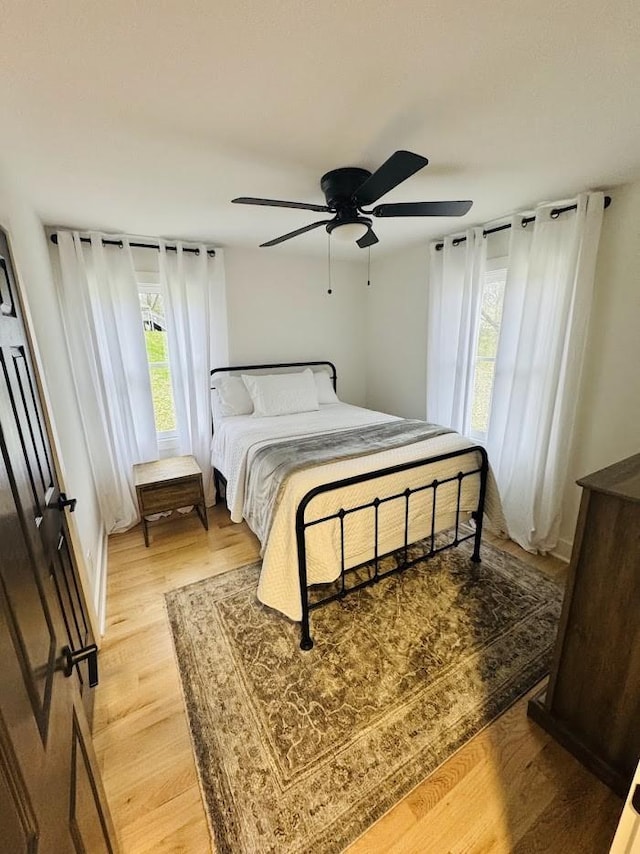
x,y
167,439
499,264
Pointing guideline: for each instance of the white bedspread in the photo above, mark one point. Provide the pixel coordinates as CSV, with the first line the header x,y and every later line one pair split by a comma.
x,y
237,438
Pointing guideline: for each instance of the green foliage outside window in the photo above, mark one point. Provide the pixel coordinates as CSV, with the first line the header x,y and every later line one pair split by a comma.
x,y
488,334
155,335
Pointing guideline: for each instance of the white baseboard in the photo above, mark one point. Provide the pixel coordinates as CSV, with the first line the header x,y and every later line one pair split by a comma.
x,y
563,550
101,582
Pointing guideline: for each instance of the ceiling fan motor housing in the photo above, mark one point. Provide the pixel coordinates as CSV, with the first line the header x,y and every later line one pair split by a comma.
x,y
339,185
349,189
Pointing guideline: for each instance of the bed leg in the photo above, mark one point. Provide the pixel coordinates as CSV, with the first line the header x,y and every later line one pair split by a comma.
x,y
479,514
306,641
475,557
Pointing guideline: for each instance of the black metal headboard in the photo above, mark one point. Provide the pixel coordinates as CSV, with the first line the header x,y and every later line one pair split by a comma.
x,y
330,365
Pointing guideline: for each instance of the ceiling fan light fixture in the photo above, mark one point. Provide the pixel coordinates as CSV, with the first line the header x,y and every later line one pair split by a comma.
x,y
348,189
348,232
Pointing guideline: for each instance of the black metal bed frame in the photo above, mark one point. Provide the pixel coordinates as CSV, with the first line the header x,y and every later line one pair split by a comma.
x,y
219,480
306,641
301,524
236,368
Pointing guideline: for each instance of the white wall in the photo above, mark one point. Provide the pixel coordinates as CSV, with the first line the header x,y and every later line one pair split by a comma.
x,y
279,311
397,333
33,268
608,427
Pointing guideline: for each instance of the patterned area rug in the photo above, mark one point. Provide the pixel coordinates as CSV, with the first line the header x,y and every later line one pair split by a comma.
x,y
303,751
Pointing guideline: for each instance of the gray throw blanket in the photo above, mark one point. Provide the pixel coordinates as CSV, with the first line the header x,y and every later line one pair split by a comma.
x,y
274,463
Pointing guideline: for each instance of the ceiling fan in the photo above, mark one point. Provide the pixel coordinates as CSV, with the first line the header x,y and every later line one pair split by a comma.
x,y
347,190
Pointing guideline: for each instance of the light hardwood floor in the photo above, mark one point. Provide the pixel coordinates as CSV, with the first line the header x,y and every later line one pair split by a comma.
x,y
511,789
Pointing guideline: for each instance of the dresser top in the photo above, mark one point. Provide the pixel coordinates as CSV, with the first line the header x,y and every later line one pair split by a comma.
x,y
621,479
170,468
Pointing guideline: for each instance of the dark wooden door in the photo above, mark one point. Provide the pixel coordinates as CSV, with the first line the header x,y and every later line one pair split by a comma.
x,y
51,796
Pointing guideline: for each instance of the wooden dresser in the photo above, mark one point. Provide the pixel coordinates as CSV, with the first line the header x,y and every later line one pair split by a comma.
x,y
592,703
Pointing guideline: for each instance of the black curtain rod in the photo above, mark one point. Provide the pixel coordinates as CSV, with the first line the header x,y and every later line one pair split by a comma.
x,y
106,242
555,213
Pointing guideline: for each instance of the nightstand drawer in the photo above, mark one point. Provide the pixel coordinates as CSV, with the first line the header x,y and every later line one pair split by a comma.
x,y
170,496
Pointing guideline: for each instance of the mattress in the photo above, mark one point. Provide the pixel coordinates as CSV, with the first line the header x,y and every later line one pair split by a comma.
x,y
238,438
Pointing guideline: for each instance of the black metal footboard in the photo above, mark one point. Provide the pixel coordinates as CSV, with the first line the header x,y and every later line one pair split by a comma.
x,y
481,471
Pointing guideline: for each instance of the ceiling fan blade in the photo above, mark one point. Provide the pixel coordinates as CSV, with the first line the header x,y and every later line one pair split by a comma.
x,y
400,166
277,203
295,233
367,239
423,209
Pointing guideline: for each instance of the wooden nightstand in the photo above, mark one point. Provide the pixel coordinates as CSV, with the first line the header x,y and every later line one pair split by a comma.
x,y
167,485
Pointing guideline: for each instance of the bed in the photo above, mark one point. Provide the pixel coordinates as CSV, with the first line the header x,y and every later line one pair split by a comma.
x,y
336,495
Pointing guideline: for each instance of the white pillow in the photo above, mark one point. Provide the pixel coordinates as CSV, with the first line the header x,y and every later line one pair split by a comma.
x,y
324,387
233,397
282,394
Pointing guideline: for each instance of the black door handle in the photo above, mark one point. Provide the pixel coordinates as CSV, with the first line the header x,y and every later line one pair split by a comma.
x,y
635,800
73,657
63,502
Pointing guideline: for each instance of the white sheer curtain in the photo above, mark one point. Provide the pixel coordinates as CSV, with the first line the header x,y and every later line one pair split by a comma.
x,y
193,286
455,289
538,367
101,312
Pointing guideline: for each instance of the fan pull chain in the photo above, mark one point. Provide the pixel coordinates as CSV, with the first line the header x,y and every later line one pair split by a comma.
x,y
369,267
330,290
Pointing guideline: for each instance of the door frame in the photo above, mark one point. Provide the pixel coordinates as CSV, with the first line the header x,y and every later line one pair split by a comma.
x,y
74,540
52,791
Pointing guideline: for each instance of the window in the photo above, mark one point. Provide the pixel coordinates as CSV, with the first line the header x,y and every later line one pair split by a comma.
x,y
487,345
155,335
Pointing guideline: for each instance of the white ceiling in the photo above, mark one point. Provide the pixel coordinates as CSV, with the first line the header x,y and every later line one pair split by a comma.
x,y
148,117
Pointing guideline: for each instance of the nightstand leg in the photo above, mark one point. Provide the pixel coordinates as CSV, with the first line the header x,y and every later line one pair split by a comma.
x,y
146,532
201,510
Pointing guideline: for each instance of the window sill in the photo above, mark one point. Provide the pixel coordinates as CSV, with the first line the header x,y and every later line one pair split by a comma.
x,y
479,438
167,446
